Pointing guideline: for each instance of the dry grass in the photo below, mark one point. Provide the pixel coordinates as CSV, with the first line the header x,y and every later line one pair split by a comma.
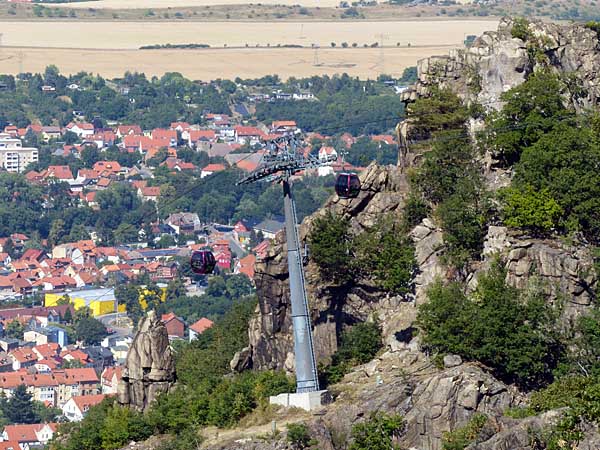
x,y
216,63
132,35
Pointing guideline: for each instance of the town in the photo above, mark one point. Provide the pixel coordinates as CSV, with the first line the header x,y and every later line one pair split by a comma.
x,y
69,306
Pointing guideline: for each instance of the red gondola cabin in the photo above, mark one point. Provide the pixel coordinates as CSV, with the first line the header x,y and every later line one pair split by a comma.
x,y
203,262
347,185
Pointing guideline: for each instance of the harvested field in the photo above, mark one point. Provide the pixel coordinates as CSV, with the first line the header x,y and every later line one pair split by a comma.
x,y
132,35
217,63
122,4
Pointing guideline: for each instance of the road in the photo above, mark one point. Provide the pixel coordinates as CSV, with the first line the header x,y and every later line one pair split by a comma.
x,y
109,321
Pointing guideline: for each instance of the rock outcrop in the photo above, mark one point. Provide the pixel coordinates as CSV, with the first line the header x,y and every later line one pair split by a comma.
x,y
384,190
497,62
563,272
150,368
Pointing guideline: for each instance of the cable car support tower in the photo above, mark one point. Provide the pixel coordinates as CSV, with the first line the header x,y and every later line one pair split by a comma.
x,y
281,161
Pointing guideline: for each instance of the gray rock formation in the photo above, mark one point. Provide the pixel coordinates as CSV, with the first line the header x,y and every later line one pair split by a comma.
x,y
150,368
497,62
564,272
384,190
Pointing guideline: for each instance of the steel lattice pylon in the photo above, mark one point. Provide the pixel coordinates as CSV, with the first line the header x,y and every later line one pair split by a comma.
x,y
279,164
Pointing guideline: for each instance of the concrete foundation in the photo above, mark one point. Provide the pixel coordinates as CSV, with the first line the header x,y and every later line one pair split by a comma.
x,y
305,400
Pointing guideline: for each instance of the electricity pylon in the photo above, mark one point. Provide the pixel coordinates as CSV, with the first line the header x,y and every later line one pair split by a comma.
x,y
281,162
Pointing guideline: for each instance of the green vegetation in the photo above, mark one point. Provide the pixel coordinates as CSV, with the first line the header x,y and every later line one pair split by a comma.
x,y
377,433
383,253
20,408
450,177
345,105
358,345
520,29
461,437
509,330
298,435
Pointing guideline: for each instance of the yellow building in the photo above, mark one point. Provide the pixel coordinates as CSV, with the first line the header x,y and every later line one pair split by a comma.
x,y
100,301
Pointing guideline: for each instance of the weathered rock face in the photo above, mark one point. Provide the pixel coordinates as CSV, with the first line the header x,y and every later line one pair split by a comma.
x,y
384,190
563,272
150,368
497,62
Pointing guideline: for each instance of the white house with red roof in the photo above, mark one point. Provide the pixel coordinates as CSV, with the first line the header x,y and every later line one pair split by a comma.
x,y
82,129
125,130
77,407
199,327
248,135
27,436
110,379
210,169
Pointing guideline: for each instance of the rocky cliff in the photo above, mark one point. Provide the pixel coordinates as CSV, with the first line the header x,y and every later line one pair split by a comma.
x,y
403,379
150,368
497,62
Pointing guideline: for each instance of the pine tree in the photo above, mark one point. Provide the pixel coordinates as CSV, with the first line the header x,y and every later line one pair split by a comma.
x,y
19,408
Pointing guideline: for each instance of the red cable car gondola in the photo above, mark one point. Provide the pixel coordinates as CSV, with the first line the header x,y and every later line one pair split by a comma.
x,y
202,262
347,185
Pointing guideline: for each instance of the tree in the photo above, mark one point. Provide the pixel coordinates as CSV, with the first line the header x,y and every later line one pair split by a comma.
x,y
57,231
129,295
20,407
89,330
90,155
15,329
530,111
330,245
511,331
531,209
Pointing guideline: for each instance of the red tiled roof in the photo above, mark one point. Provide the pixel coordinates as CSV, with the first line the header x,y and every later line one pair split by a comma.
x,y
213,168
201,325
60,172
84,402
161,133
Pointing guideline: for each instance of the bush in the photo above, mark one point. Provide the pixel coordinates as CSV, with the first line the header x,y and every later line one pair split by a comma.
x,y
358,345
508,330
377,433
529,208
520,29
298,436
463,436
386,254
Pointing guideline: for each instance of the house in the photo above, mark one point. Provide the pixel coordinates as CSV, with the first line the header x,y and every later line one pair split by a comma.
x,y
248,135
62,173
196,137
107,168
199,327
210,169
246,266
223,258
269,228
29,436
175,325
184,223
22,357
125,130
74,382
161,134
77,407
12,445
81,129
51,132
149,193
110,379
283,126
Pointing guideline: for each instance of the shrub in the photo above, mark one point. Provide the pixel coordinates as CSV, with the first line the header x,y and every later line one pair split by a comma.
x,y
529,208
386,254
358,345
298,436
520,29
463,436
498,325
377,433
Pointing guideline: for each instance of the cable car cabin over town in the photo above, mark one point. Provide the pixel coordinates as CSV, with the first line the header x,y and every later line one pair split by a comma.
x,y
202,262
347,185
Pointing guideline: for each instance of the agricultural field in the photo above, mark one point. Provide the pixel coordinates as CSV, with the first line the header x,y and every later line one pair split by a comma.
x,y
219,63
133,35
